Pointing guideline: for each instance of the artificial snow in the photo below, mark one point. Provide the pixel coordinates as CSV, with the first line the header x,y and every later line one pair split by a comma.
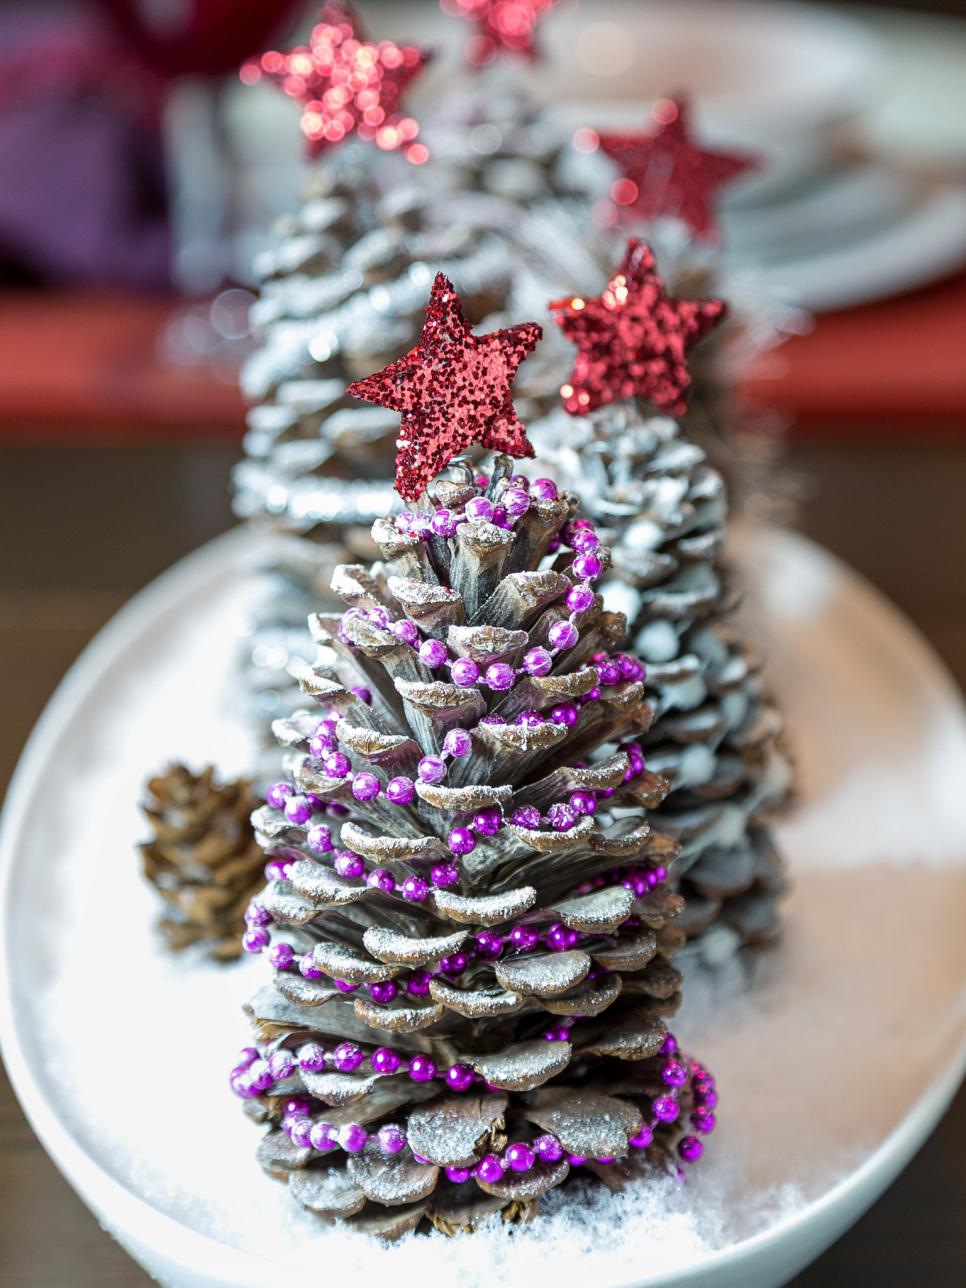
x,y
818,1053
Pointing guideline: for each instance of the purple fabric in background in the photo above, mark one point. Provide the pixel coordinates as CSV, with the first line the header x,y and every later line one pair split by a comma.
x,y
82,192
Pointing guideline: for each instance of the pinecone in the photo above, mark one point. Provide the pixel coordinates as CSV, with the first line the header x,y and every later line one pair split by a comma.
x,y
716,734
343,291
203,857
470,927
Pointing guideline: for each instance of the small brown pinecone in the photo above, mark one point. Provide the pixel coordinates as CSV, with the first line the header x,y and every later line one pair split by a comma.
x,y
202,857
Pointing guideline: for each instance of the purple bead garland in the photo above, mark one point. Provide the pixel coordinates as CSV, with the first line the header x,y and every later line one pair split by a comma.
x,y
253,1076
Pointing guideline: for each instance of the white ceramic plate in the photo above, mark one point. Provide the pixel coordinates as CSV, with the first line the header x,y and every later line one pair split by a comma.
x,y
834,1066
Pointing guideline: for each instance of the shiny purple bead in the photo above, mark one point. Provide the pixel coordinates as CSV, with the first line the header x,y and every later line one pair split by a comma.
x,y
490,1169
565,713
256,915
443,524
580,599
707,1100
486,822
461,840
560,939
583,802
298,809
383,992
432,653
418,983
670,1045
458,1175
365,786
515,501
548,1149
385,1060
464,672
431,769
526,816
353,1137
301,1133
415,889
530,719
381,879
489,945
422,1068
255,939
392,1139
281,1065
405,630
444,875
349,865
545,489
519,1156
277,869
674,1073
459,1077
478,507
322,1136
609,673
631,668
499,677
537,661
643,1139
362,693
586,567
454,964
401,791
457,743
561,817
666,1109
281,956
337,765
347,1057
345,986
311,1057
308,968
703,1121
278,794
584,540
690,1148
563,635
524,938
319,839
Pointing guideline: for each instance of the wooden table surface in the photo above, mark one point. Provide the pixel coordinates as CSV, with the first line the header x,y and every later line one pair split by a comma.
x,y
81,529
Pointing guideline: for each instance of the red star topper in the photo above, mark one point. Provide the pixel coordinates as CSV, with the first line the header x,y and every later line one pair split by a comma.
x,y
502,25
666,172
347,85
453,389
632,340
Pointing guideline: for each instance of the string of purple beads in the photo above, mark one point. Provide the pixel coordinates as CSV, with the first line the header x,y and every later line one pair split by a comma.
x,y
488,945
253,1076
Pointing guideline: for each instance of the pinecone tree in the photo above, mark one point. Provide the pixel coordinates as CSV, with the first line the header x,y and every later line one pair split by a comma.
x,y
469,924
318,462
202,857
663,510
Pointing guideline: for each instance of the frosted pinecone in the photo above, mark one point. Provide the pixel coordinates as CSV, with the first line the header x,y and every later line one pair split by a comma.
x,y
716,732
470,926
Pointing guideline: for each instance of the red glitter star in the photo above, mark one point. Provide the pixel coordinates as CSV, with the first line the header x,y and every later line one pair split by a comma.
x,y
453,389
667,173
632,340
347,85
503,25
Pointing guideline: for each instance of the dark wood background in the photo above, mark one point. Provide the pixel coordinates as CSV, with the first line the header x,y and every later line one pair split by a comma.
x,y
82,528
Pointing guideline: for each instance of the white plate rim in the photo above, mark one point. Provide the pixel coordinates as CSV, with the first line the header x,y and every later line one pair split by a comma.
x,y
130,1215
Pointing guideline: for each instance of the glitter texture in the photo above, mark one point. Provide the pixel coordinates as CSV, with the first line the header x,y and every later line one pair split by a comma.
x,y
502,26
666,173
632,340
453,390
347,85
